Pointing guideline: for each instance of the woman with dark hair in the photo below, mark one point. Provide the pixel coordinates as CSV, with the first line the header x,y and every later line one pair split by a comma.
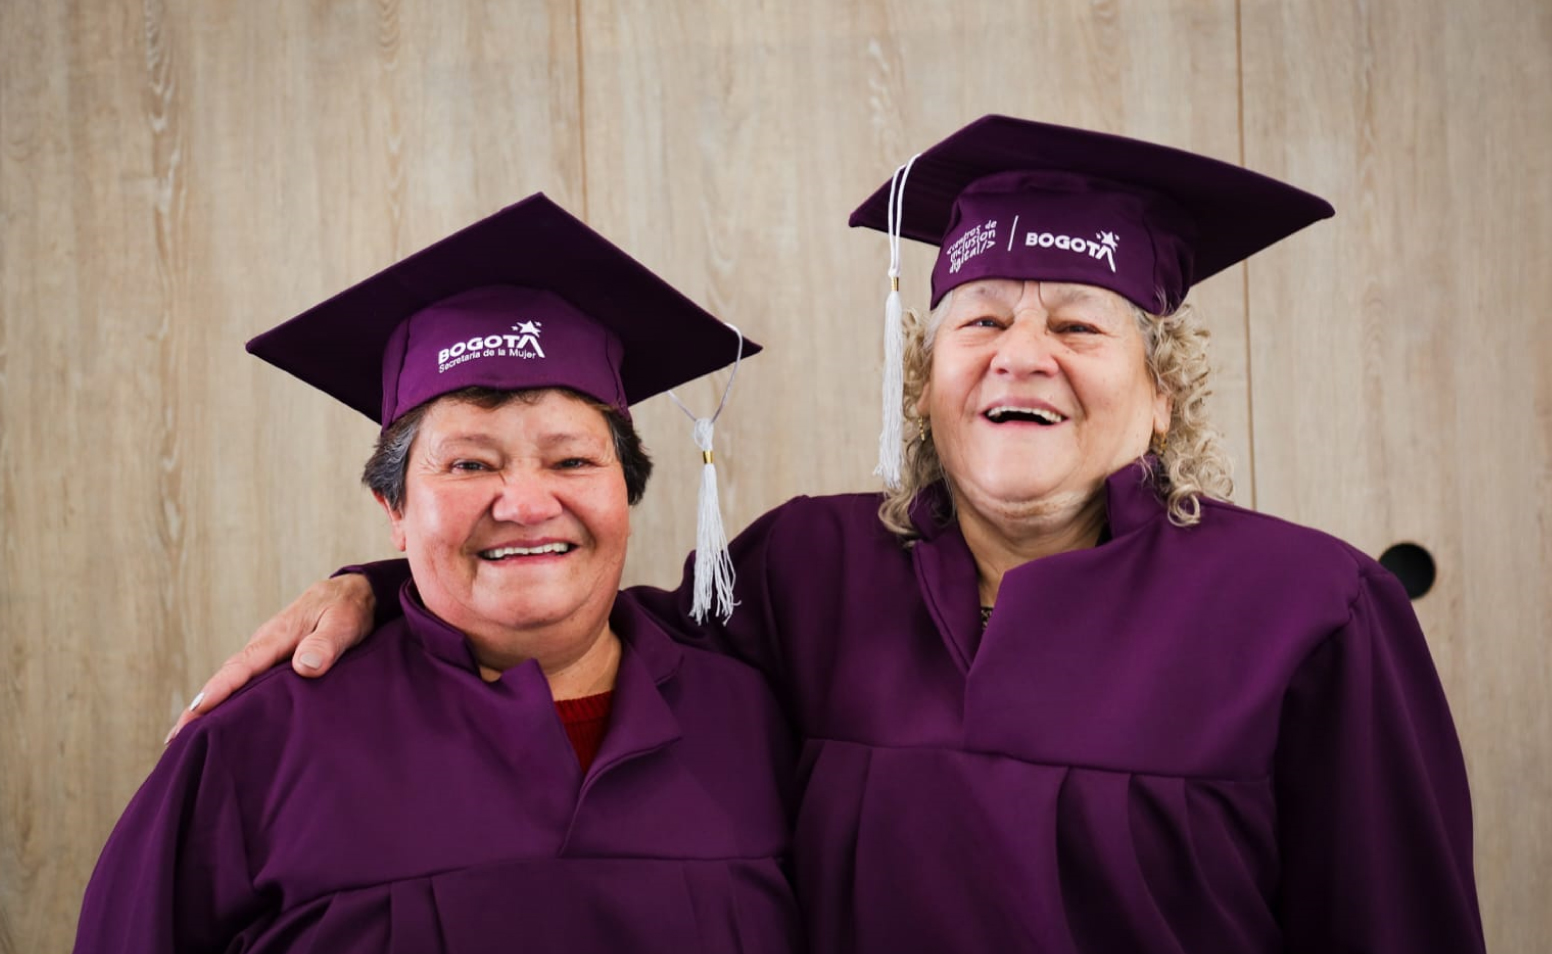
x,y
523,758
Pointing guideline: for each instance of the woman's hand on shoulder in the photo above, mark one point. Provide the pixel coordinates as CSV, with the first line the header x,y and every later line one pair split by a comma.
x,y
328,618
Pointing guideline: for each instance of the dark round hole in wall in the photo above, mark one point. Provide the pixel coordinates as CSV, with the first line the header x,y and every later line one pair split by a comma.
x,y
1412,565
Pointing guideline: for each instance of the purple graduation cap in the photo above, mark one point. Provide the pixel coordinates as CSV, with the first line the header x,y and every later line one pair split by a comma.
x,y
1010,198
527,298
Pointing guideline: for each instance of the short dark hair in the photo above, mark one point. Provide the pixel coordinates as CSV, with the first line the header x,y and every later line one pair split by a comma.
x,y
385,470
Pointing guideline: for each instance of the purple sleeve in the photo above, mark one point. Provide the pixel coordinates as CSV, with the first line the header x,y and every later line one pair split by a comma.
x,y
387,578
1373,808
174,875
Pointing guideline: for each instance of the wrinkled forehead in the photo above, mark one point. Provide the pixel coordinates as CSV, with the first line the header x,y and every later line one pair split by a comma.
x,y
1012,294
547,414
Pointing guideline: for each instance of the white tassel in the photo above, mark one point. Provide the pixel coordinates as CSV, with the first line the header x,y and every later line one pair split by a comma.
x,y
713,563
891,434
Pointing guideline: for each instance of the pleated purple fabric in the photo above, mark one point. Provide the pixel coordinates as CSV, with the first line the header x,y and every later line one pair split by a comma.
x,y
1223,738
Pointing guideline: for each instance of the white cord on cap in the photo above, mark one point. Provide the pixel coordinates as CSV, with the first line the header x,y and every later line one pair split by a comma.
x,y
713,563
890,437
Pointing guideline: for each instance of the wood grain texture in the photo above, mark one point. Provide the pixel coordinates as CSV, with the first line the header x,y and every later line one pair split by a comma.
x,y
175,179
1400,358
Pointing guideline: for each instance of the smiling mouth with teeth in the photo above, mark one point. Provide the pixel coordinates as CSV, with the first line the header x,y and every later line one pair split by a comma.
x,y
501,553
1004,414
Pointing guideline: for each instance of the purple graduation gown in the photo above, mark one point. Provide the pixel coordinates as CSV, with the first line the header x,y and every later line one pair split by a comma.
x,y
1223,738
405,805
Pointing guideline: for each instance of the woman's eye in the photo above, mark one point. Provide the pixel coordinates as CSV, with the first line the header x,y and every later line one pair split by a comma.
x,y
983,322
574,463
469,466
1078,327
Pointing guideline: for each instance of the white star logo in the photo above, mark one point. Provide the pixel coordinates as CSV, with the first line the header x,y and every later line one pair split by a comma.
x,y
1108,239
527,337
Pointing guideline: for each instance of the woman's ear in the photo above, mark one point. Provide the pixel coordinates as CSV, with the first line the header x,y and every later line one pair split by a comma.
x,y
1163,412
923,400
395,521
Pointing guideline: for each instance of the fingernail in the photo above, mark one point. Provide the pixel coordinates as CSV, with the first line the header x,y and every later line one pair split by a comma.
x,y
170,733
310,660
197,700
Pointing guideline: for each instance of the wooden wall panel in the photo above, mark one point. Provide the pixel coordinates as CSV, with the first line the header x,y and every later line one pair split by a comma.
x,y
1401,363
173,179
727,143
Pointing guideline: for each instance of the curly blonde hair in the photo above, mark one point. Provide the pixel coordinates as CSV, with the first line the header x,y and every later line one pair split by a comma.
x,y
1192,465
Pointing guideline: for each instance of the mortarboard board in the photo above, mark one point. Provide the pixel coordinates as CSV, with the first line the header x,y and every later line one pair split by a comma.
x,y
529,297
1011,198
1016,199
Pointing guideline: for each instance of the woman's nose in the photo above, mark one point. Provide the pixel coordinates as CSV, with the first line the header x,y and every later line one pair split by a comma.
x,y
1025,348
526,500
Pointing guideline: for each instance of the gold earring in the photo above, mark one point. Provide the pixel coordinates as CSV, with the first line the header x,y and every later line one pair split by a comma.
x,y
924,431
1159,443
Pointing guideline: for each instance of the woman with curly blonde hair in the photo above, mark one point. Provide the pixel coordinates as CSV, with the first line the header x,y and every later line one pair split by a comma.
x,y
1189,457
1064,696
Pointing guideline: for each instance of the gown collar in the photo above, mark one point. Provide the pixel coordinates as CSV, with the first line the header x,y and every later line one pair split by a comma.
x,y
639,636
641,719
945,567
